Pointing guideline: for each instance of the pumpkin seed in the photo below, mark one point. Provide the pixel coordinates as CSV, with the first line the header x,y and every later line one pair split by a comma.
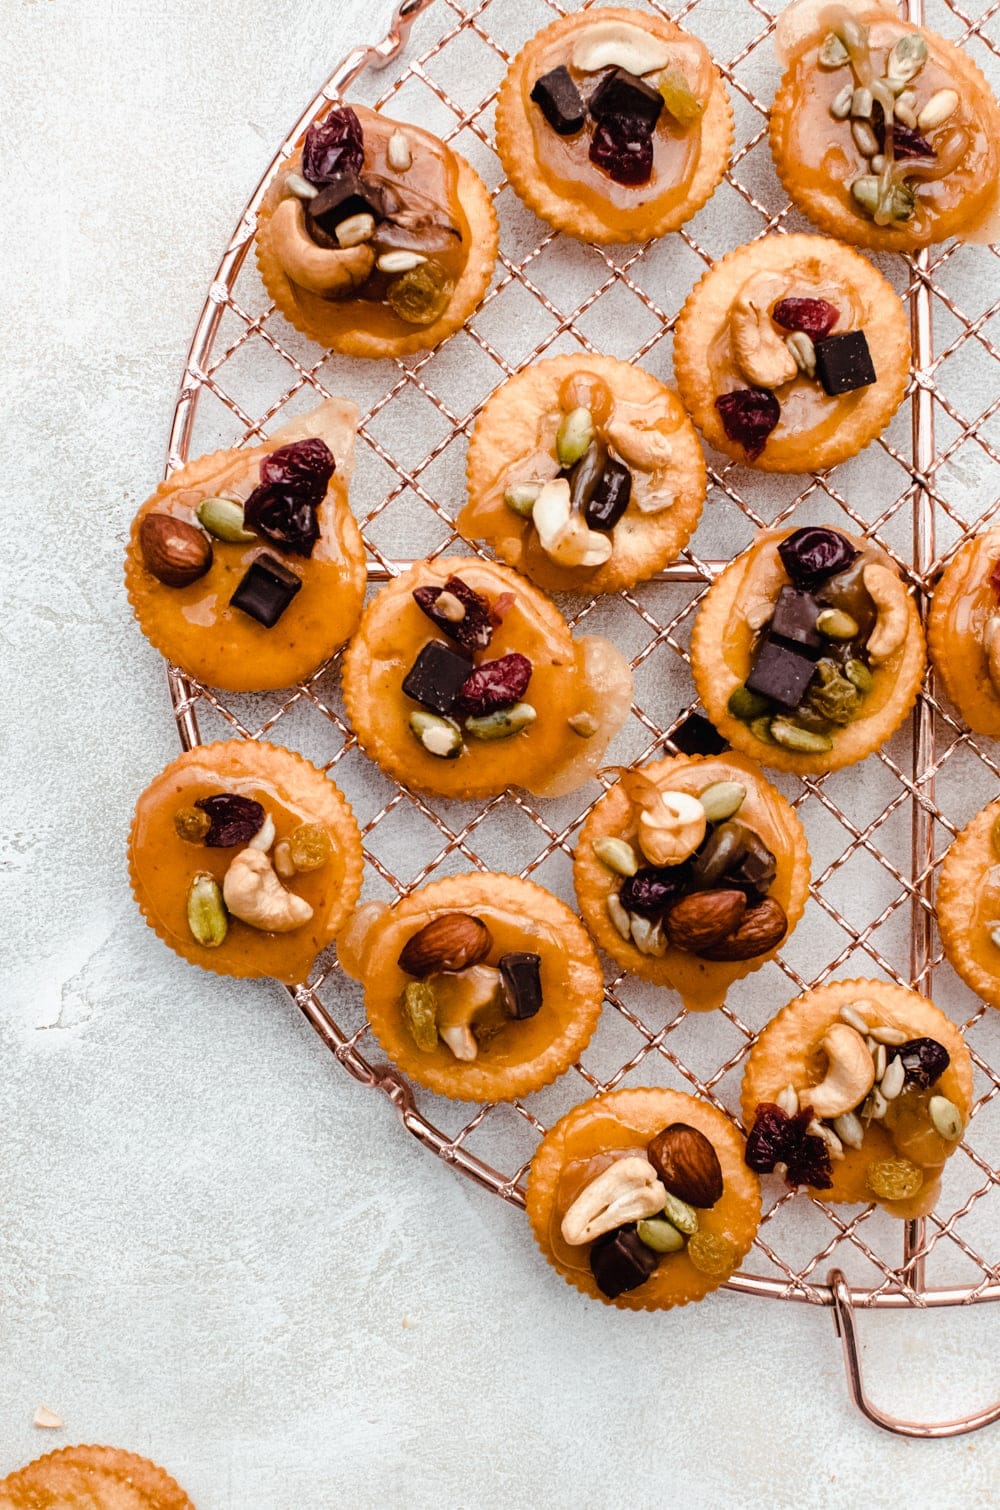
x,y
659,1235
439,736
946,1117
722,800
503,723
522,497
680,1215
224,519
617,854
760,728
206,911
836,624
576,431
805,741
746,705
907,57
858,675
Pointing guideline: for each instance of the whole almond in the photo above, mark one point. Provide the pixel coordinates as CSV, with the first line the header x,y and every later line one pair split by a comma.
x,y
174,551
762,929
687,1164
454,941
705,918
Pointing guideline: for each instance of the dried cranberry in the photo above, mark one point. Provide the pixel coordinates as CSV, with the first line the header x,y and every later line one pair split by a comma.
x,y
333,145
304,465
776,1138
623,146
816,317
235,819
812,554
475,630
651,890
494,685
285,517
924,1060
908,142
748,417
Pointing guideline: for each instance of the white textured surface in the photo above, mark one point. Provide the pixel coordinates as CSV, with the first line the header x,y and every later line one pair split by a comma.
x,y
214,1248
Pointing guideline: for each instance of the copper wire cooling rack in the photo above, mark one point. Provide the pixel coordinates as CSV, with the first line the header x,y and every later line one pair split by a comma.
x,y
876,832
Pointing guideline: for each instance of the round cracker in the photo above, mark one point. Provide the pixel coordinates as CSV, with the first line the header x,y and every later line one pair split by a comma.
x,y
293,791
640,1114
702,983
507,432
825,196
964,932
566,678
321,319
521,916
786,1053
894,688
222,645
845,424
92,1478
586,216
963,603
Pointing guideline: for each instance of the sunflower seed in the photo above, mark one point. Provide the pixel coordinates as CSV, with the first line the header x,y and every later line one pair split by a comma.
x,y
939,108
864,138
904,112
398,154
881,1060
788,1100
620,918
840,106
355,229
893,1078
849,1130
300,187
893,1036
833,53
862,104
399,262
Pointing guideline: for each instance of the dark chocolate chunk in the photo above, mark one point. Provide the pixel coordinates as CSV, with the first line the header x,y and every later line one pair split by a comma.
x,y
620,1261
623,94
795,616
781,672
521,983
610,497
559,100
696,736
436,676
266,590
844,363
347,195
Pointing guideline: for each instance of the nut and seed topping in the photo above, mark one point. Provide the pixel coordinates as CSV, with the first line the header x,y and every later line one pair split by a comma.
x,y
584,724
722,800
626,1191
223,518
688,1164
679,1214
660,1235
300,187
439,736
939,108
398,153
619,917
355,230
575,433
399,261
946,1117
617,854
522,497
175,552
503,723
836,624
803,351
206,912
451,942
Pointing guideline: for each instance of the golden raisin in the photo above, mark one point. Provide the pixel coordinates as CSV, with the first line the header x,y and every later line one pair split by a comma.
x,y
712,1254
894,1179
192,824
420,1014
421,295
310,847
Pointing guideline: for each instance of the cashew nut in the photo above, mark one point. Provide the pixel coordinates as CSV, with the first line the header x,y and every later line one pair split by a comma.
x,y
253,893
991,645
761,353
563,535
619,44
672,828
264,837
763,580
470,998
627,1191
850,1074
333,272
889,596
642,446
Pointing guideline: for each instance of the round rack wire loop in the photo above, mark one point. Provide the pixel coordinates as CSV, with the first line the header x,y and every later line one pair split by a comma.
x,y
876,839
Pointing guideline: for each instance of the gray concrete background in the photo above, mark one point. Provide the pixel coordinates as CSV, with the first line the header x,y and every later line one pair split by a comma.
x,y
214,1248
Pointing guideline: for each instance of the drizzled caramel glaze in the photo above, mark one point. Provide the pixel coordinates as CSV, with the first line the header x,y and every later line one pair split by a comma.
x,y
962,606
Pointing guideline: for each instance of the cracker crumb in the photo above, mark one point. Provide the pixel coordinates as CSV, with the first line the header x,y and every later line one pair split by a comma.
x,y
47,1418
